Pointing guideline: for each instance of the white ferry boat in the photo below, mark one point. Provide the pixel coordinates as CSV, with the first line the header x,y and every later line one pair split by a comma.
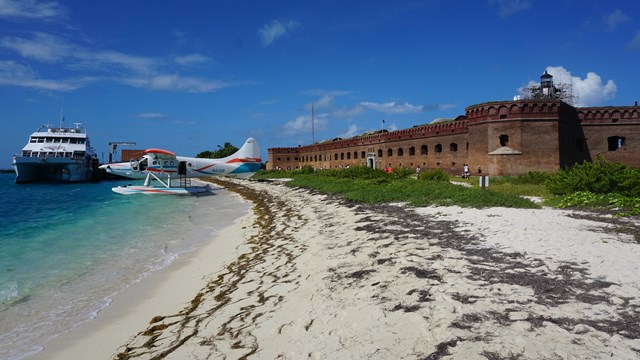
x,y
56,155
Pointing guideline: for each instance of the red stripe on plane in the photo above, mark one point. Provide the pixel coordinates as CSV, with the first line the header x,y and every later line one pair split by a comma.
x,y
244,160
159,151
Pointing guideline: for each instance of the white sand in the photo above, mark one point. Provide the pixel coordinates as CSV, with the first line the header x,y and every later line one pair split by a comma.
x,y
321,279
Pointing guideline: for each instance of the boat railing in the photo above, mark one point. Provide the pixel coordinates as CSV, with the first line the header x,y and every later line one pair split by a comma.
x,y
78,129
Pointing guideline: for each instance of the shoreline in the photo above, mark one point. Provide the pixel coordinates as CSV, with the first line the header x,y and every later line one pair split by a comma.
x,y
320,277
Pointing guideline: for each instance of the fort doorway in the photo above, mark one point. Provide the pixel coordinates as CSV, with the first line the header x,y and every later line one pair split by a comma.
x,y
371,161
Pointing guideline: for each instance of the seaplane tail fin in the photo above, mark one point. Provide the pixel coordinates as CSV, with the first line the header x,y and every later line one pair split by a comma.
x,y
250,150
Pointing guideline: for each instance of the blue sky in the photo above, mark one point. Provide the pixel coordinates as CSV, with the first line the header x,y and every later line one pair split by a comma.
x,y
190,75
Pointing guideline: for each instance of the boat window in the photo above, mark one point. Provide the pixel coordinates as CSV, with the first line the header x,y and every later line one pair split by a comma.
x,y
48,140
40,140
73,141
33,140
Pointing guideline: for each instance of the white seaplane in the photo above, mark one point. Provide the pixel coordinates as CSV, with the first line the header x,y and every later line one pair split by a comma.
x,y
164,166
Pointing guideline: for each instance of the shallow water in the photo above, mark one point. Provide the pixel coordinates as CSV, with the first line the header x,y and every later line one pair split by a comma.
x,y
67,249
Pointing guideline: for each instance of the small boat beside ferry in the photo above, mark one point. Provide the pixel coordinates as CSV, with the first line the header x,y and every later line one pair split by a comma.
x,y
56,154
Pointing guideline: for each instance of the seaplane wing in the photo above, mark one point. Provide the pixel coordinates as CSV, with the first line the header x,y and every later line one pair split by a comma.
x,y
244,163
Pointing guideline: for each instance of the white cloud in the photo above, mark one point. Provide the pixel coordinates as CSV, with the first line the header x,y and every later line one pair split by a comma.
x,y
348,113
138,71
118,60
510,7
590,91
30,9
302,125
52,49
352,131
176,82
43,47
15,74
150,116
613,20
393,107
191,59
325,102
274,30
634,44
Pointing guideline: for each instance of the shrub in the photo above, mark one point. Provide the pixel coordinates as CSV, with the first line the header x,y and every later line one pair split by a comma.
x,y
598,177
402,172
434,175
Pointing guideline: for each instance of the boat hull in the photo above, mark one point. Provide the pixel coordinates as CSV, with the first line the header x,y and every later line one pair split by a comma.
x,y
52,170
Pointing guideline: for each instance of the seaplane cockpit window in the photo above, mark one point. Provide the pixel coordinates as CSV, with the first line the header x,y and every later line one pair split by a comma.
x,y
155,162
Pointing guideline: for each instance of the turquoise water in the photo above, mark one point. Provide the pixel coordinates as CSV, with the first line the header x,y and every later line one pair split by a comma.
x,y
67,249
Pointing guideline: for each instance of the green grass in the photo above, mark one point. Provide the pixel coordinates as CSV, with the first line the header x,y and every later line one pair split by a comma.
x,y
377,187
587,186
511,185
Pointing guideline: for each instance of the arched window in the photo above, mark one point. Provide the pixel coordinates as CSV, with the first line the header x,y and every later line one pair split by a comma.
x,y
348,156
453,147
424,150
341,156
379,152
335,156
363,154
438,148
412,151
355,154
400,152
389,152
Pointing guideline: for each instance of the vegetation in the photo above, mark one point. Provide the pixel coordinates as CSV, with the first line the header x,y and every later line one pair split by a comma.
x,y
599,185
223,151
375,186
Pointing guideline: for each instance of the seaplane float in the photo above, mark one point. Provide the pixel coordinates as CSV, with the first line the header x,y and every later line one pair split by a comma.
x,y
167,168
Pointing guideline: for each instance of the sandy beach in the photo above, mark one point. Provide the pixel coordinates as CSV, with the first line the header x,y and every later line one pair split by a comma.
x,y
311,276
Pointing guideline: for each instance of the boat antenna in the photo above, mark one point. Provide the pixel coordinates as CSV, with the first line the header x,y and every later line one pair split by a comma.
x,y
62,115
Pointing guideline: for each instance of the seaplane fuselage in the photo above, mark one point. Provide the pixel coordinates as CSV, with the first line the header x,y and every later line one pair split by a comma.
x,y
167,165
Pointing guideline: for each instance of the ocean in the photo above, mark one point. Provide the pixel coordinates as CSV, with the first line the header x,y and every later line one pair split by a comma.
x,y
67,249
